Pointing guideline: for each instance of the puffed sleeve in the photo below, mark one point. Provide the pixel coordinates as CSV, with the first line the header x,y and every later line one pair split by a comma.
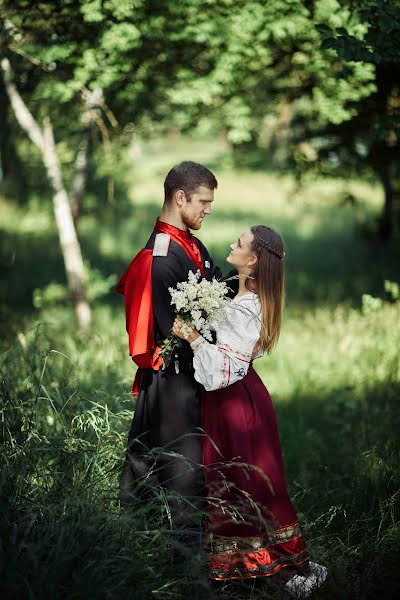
x,y
217,366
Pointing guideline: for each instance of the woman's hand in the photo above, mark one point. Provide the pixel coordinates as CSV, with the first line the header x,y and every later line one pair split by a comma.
x,y
184,330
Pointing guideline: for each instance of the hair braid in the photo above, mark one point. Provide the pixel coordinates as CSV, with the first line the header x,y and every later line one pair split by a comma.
x,y
264,243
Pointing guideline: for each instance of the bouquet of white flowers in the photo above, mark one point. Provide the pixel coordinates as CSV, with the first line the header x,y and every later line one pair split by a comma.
x,y
199,303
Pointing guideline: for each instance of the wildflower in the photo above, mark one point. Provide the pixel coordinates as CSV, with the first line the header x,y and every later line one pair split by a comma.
x,y
199,303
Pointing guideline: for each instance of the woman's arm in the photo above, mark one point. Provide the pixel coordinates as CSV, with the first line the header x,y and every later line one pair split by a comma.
x,y
220,365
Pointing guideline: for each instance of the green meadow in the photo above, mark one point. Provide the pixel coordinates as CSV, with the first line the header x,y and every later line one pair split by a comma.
x,y
66,405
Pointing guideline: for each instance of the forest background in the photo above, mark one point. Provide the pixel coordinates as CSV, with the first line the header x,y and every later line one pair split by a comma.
x,y
295,105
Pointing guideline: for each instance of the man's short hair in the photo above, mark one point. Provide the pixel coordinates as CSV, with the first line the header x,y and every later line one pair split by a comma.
x,y
188,176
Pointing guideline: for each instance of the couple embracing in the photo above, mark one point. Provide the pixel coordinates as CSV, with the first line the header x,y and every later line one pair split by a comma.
x,y
204,428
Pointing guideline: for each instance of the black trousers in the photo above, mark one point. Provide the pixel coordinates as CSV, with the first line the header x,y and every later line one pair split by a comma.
x,y
164,450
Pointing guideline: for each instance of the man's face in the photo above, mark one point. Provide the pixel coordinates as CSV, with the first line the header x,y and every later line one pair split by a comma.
x,y
193,211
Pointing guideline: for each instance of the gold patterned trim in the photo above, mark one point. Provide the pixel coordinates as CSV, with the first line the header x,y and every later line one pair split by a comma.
x,y
278,536
272,537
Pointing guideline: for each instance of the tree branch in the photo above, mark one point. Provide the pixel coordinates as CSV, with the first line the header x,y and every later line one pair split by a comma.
x,y
21,111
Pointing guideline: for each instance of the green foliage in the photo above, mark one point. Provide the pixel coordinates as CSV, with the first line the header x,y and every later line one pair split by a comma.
x,y
374,40
51,294
370,38
235,58
313,86
374,304
269,54
97,286
393,289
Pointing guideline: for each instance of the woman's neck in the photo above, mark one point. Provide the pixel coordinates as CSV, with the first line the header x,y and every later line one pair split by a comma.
x,y
243,279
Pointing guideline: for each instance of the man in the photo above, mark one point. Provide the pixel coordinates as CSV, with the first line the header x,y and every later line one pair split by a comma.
x,y
167,414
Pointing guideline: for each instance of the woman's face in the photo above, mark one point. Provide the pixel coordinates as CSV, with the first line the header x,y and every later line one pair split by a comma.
x,y
241,256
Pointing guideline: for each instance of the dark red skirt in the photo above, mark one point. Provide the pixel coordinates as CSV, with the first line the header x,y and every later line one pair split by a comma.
x,y
253,528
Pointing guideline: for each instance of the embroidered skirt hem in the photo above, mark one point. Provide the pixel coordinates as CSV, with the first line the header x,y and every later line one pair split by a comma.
x,y
244,558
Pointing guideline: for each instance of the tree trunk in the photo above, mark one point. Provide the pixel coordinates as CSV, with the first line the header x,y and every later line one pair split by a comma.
x,y
66,230
79,179
386,218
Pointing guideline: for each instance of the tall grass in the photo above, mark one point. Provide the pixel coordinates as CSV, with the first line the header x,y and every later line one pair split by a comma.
x,y
66,403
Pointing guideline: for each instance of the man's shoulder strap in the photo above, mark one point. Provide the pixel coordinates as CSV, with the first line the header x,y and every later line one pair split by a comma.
x,y
161,244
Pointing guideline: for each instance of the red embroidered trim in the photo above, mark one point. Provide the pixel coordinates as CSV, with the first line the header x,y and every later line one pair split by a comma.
x,y
242,356
225,373
199,344
246,565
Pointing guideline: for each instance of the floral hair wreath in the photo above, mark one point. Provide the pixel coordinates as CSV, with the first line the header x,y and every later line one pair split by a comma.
x,y
266,244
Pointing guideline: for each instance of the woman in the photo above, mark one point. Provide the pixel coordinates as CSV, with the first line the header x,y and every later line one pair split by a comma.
x,y
253,527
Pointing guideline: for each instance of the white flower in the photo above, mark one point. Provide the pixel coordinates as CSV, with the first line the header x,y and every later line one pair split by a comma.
x,y
200,301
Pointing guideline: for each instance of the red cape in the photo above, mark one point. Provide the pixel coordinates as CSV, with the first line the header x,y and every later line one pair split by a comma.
x,y
136,286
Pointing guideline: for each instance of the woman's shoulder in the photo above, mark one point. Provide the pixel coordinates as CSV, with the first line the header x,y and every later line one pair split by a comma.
x,y
246,309
249,299
247,295
241,325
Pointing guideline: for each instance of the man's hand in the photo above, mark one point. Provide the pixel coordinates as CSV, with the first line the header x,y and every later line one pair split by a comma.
x,y
184,330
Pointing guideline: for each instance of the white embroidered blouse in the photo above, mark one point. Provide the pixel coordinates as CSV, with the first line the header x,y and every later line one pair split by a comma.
x,y
227,361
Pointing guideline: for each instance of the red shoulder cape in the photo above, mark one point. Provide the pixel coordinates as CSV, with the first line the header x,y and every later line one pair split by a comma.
x,y
135,284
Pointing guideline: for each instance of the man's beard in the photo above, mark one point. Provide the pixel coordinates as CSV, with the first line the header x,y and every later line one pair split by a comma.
x,y
189,220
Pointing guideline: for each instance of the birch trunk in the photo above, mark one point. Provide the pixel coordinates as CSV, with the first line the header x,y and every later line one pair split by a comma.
x,y
69,243
79,179
66,230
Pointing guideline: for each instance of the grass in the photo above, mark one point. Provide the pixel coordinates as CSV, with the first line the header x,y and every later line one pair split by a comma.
x,y
66,404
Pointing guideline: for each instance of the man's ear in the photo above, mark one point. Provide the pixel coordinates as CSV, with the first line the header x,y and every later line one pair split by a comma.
x,y
180,197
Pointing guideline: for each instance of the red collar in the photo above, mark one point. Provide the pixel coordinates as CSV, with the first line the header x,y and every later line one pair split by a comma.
x,y
184,239
172,230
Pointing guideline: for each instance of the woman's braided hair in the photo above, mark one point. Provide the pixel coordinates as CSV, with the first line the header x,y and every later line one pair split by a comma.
x,y
264,238
267,280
